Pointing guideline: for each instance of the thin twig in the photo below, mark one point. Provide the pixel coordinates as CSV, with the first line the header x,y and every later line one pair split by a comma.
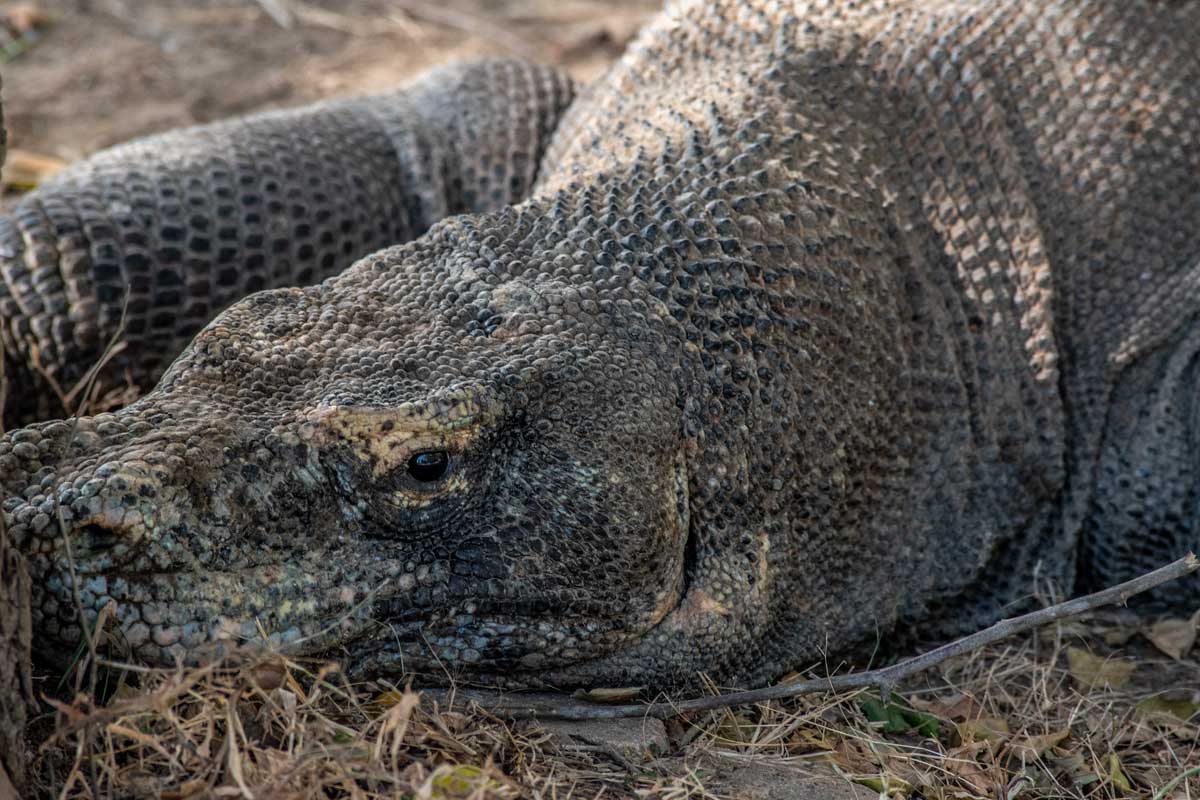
x,y
884,679
1178,779
86,385
35,363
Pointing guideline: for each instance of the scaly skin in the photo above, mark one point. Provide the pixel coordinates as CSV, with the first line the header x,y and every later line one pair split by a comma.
x,y
171,229
193,220
819,321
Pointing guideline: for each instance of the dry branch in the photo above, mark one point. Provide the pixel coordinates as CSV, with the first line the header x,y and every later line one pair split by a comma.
x,y
884,679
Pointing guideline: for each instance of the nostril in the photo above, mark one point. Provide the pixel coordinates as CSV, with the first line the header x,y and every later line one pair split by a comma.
x,y
95,539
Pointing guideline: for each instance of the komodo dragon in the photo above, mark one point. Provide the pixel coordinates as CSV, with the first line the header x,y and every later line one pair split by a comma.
x,y
821,318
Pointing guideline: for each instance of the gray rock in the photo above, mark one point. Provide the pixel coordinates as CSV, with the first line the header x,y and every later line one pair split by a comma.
x,y
634,740
759,780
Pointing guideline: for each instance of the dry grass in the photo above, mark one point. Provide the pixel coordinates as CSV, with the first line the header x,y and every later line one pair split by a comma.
x,y
1015,721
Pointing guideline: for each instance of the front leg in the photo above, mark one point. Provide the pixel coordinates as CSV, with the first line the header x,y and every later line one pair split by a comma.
x,y
1145,508
173,228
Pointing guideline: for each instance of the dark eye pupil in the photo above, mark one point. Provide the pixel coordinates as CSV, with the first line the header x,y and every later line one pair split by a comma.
x,y
429,466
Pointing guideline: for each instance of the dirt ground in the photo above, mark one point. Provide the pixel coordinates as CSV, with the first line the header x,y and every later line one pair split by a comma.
x,y
84,74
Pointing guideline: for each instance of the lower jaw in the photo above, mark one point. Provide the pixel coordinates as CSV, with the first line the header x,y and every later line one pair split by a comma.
x,y
491,649
372,656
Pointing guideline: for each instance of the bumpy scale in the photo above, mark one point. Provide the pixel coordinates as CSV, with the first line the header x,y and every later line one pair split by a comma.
x,y
171,229
821,318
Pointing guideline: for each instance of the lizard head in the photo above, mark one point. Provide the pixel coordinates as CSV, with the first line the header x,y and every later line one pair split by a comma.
x,y
453,456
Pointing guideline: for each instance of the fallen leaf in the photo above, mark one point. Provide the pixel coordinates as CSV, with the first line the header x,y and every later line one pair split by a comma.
x,y
955,709
804,740
605,695
460,780
1090,671
188,789
982,729
124,691
287,700
886,785
1175,637
1161,706
962,762
387,700
1116,775
736,727
858,757
877,785
269,675
898,716
25,170
1118,637
1037,746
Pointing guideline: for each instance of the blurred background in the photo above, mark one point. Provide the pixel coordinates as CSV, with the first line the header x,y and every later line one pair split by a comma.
x,y
80,75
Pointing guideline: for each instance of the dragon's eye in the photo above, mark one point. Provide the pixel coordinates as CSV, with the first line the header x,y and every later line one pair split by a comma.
x,y
429,466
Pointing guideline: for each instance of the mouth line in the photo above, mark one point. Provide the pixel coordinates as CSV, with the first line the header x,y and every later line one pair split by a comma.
x,y
506,611
389,604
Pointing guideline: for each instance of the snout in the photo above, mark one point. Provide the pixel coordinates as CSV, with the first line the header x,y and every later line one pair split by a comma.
x,y
69,498
29,482
81,508
190,531
98,508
